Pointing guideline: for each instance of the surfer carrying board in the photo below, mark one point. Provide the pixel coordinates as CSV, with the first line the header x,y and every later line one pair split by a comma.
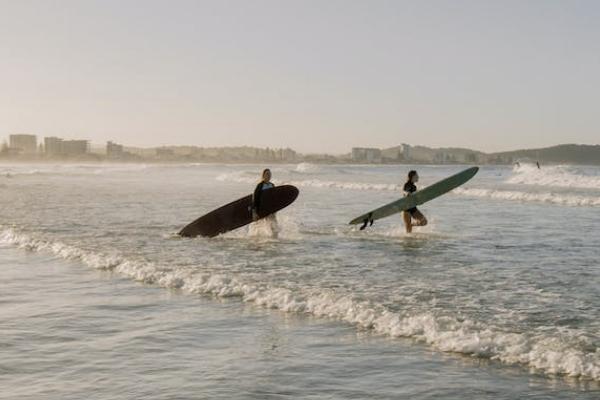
x,y
264,184
408,204
412,213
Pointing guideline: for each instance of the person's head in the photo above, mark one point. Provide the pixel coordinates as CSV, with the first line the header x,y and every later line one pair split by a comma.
x,y
413,176
266,175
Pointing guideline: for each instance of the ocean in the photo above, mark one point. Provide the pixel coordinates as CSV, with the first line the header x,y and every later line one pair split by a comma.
x,y
498,297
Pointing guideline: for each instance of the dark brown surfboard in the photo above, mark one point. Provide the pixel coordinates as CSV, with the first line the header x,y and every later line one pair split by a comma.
x,y
237,213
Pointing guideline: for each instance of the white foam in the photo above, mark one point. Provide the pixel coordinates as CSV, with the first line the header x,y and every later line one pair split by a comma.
x,y
236,177
285,228
557,175
548,197
306,168
560,352
391,187
552,198
317,183
513,195
15,170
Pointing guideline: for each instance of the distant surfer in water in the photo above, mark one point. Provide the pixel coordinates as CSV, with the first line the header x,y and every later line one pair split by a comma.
x,y
412,213
264,184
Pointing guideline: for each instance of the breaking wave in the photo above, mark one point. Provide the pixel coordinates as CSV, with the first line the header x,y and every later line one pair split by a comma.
x,y
566,352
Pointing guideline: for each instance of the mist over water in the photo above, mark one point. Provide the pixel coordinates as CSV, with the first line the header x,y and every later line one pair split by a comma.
x,y
505,277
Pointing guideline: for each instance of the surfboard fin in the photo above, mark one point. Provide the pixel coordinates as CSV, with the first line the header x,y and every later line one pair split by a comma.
x,y
367,221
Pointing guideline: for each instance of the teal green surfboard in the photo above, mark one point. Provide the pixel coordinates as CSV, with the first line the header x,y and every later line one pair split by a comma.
x,y
417,198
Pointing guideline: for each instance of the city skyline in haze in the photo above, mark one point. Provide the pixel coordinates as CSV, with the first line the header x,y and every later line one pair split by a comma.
x,y
319,77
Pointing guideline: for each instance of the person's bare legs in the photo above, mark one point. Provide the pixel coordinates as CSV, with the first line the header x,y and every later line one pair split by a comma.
x,y
407,221
420,218
274,225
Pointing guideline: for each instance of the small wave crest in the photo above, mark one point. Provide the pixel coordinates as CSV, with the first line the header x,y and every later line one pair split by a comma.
x,y
317,183
238,177
557,175
512,195
564,353
552,198
13,172
69,169
306,168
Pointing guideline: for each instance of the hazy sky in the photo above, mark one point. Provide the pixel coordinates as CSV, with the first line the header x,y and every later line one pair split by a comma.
x,y
313,75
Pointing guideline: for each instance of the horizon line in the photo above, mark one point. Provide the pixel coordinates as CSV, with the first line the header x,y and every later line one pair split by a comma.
x,y
349,151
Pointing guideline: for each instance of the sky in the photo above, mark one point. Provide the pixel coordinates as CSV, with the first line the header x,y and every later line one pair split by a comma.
x,y
316,76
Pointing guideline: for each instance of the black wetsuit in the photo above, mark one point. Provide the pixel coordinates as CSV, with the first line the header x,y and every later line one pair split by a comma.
x,y
258,193
410,187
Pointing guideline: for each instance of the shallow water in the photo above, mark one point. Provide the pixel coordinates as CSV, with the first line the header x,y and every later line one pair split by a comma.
x,y
498,296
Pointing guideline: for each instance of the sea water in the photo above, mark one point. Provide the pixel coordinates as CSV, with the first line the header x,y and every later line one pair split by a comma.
x,y
498,297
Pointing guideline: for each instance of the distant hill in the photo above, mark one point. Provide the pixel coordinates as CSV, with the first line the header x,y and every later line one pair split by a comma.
x,y
561,154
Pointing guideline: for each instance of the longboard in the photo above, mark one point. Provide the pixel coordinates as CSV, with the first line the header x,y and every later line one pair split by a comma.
x,y
417,198
238,213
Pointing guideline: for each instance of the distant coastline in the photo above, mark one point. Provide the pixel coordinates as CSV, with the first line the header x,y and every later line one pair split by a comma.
x,y
25,148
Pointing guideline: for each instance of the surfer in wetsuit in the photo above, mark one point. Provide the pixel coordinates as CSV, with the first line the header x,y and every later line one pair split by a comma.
x,y
412,213
264,184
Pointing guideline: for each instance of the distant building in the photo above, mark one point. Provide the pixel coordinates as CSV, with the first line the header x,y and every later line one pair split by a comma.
x,y
287,155
405,151
114,150
75,147
443,157
398,153
364,154
163,152
471,158
57,147
53,146
23,144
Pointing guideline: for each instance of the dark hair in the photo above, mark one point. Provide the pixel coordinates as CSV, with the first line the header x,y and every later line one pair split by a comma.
x,y
411,174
